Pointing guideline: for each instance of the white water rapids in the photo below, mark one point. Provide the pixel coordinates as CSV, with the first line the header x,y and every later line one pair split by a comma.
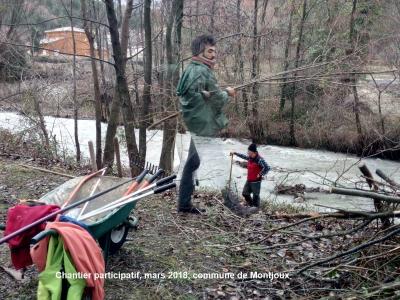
x,y
313,168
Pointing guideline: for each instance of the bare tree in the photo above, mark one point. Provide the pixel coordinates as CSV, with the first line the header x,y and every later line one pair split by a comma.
x,y
293,92
173,50
353,78
122,99
96,86
146,99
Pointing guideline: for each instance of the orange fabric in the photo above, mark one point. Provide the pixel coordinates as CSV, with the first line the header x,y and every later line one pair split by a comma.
x,y
84,251
39,253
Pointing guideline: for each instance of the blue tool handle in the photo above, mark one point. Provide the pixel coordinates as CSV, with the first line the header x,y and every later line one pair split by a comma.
x,y
41,235
165,180
156,175
142,175
164,188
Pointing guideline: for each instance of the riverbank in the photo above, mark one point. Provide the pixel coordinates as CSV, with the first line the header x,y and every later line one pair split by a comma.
x,y
197,254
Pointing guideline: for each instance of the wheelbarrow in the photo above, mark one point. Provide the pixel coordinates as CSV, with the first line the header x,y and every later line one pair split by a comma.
x,y
108,224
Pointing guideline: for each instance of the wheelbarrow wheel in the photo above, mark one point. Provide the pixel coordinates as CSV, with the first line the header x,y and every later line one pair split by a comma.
x,y
117,238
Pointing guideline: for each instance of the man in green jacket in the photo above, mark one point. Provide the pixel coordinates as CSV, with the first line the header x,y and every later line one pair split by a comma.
x,y
201,102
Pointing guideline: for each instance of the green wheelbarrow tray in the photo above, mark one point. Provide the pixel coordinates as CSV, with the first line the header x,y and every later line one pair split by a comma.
x,y
109,228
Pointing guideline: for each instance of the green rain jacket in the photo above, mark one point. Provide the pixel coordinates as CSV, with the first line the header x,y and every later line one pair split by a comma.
x,y
50,281
202,116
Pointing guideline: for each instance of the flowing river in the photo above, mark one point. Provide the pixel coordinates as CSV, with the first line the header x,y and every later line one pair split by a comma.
x,y
290,166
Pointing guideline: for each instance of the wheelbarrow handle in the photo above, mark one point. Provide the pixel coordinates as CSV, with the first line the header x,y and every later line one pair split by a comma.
x,y
41,235
141,176
165,180
155,176
164,188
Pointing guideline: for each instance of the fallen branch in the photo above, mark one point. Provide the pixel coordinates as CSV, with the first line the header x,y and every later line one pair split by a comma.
x,y
46,171
387,179
360,193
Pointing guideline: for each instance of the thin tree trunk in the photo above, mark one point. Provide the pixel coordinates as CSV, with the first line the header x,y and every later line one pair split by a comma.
x,y
296,65
353,79
254,62
42,123
285,87
172,53
144,114
240,60
212,21
96,86
121,101
75,100
255,124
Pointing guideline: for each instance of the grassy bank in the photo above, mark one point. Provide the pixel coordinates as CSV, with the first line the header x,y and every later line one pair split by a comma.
x,y
175,252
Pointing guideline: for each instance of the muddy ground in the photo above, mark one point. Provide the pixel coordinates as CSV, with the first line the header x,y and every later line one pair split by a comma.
x,y
175,249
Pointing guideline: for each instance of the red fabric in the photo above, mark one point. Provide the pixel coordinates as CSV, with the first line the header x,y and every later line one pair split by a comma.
x,y
20,216
84,251
253,170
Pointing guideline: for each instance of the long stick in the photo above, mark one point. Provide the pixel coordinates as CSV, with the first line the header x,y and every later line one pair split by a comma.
x,y
81,183
387,179
117,157
47,171
230,172
92,192
60,211
163,120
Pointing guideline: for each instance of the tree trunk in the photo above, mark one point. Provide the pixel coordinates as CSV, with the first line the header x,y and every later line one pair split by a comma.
x,y
172,53
256,128
96,87
212,20
145,107
296,65
240,60
285,86
75,100
353,78
42,123
121,100
255,62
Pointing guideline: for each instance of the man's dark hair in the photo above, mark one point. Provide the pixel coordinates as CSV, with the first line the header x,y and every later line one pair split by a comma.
x,y
200,43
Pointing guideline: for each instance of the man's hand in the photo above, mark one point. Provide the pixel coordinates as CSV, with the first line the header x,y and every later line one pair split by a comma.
x,y
231,91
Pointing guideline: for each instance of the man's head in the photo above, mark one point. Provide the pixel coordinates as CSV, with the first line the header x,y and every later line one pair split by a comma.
x,y
204,46
252,151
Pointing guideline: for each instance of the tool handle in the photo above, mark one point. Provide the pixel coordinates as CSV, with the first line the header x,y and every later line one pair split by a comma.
x,y
155,176
41,235
141,175
164,188
165,180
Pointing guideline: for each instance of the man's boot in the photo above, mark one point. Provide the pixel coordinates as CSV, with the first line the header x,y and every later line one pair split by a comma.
x,y
231,200
249,200
191,210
